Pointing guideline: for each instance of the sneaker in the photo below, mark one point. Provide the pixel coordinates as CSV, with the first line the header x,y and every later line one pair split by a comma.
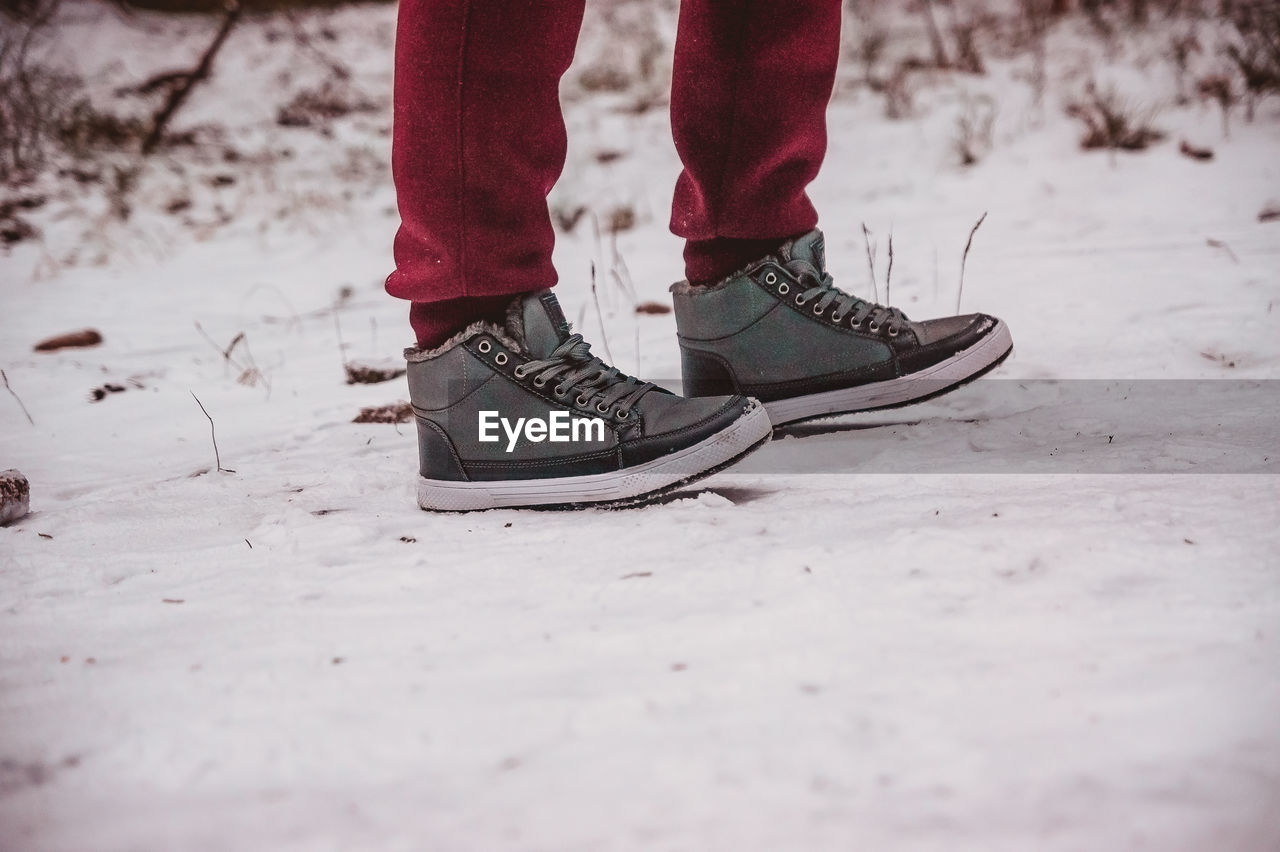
x,y
781,332
524,415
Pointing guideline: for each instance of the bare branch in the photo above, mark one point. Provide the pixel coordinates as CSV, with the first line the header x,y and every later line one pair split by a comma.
x,y
164,80
178,95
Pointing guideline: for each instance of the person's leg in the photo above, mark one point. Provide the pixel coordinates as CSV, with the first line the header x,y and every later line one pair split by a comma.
x,y
749,97
759,315
478,141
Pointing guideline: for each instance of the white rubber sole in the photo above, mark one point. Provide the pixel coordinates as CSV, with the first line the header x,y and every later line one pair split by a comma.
x,y
636,483
964,365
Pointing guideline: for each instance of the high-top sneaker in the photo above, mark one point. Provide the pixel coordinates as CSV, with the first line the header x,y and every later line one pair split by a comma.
x,y
526,416
780,331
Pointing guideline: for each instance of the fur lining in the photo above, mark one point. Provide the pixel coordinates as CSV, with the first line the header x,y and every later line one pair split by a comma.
x,y
515,321
688,288
414,354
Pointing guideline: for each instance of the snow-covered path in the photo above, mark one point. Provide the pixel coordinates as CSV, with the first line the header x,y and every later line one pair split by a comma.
x,y
947,661
903,654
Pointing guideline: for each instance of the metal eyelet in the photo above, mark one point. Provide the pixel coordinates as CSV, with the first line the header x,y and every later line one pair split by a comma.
x,y
624,413
837,317
518,372
602,408
560,390
500,358
856,321
800,299
873,328
582,402
770,278
484,346
893,331
819,312
784,288
538,381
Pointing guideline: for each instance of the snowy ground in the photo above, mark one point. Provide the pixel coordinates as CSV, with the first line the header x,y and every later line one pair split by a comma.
x,y
1082,655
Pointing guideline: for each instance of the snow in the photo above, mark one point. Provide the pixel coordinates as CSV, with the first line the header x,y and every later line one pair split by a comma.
x,y
917,629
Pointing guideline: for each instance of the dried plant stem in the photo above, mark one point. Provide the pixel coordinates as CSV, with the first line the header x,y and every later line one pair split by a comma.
x,y
604,338
16,397
871,261
888,275
241,340
217,458
622,275
965,257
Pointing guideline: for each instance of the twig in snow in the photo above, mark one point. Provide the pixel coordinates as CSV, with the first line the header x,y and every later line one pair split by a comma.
x,y
15,396
1219,244
604,338
871,262
965,257
249,372
178,94
217,459
239,338
226,353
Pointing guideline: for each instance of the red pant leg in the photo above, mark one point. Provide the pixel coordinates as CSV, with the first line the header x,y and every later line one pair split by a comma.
x,y
478,141
752,79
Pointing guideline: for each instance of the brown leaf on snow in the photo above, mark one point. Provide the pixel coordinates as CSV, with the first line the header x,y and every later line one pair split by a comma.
x,y
365,373
399,412
1270,213
1186,149
70,340
653,308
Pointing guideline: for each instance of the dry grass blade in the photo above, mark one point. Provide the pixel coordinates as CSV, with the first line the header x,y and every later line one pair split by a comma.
x,y
217,458
595,297
871,261
888,275
16,397
964,258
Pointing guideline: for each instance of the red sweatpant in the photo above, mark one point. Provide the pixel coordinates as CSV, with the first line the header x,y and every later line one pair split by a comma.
x,y
479,140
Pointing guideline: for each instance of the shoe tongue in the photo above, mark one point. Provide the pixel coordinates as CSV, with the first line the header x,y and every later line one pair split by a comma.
x,y
809,248
542,326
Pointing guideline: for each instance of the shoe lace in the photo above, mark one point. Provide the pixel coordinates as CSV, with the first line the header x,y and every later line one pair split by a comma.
x,y
822,288
577,369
